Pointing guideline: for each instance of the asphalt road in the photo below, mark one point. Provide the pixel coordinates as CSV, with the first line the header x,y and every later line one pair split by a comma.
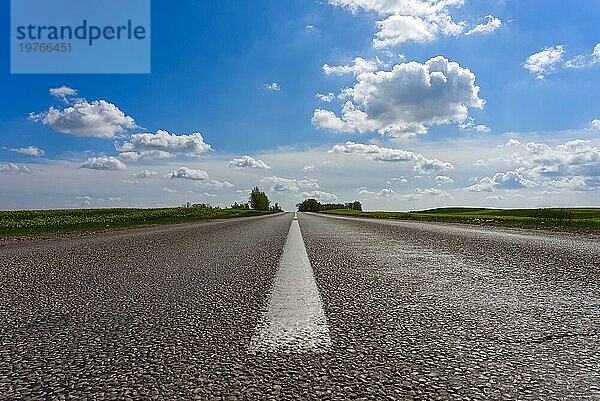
x,y
412,310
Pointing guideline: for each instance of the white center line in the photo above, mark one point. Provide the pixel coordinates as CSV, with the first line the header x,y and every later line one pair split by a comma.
x,y
295,321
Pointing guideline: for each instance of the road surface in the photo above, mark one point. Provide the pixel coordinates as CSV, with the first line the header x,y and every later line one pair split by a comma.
x,y
316,308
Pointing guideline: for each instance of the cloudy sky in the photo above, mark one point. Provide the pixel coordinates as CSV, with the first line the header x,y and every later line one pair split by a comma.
x,y
401,104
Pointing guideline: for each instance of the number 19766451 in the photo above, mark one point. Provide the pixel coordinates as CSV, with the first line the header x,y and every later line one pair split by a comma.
x,y
36,47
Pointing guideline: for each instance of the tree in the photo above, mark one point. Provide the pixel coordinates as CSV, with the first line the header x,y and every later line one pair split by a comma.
x,y
312,205
259,200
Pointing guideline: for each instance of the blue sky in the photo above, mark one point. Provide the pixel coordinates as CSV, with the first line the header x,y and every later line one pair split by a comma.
x,y
520,70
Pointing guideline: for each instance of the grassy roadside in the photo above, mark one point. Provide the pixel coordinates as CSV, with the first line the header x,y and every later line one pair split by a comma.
x,y
576,219
30,222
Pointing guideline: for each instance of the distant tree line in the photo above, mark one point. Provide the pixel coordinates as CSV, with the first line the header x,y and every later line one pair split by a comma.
x,y
203,206
312,205
242,206
200,206
561,213
258,201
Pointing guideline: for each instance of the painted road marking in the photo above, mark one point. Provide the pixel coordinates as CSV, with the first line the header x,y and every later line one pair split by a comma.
x,y
295,321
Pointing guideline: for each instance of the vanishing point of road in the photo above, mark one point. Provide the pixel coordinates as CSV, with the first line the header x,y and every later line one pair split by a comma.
x,y
317,307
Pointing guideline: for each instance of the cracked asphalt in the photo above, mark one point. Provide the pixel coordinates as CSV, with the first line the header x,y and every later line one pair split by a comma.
x,y
415,311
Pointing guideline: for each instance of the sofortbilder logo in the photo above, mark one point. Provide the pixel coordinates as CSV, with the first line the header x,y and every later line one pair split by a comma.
x,y
80,36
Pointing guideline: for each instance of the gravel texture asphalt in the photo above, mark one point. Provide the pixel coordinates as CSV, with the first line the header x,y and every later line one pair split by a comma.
x,y
415,311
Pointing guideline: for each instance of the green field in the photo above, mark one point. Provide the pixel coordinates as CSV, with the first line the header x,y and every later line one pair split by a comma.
x,y
575,218
26,222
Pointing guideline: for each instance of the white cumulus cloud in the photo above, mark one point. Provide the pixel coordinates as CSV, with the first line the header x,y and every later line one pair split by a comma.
x,y
162,145
145,174
577,157
584,60
248,162
309,168
544,62
408,20
469,124
386,193
488,27
30,151
574,183
358,66
321,196
327,98
216,184
422,164
482,128
404,101
273,86
507,180
417,194
99,119
436,192
398,29
189,174
281,184
200,176
364,191
512,142
404,7
15,168
63,93
104,163
443,179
